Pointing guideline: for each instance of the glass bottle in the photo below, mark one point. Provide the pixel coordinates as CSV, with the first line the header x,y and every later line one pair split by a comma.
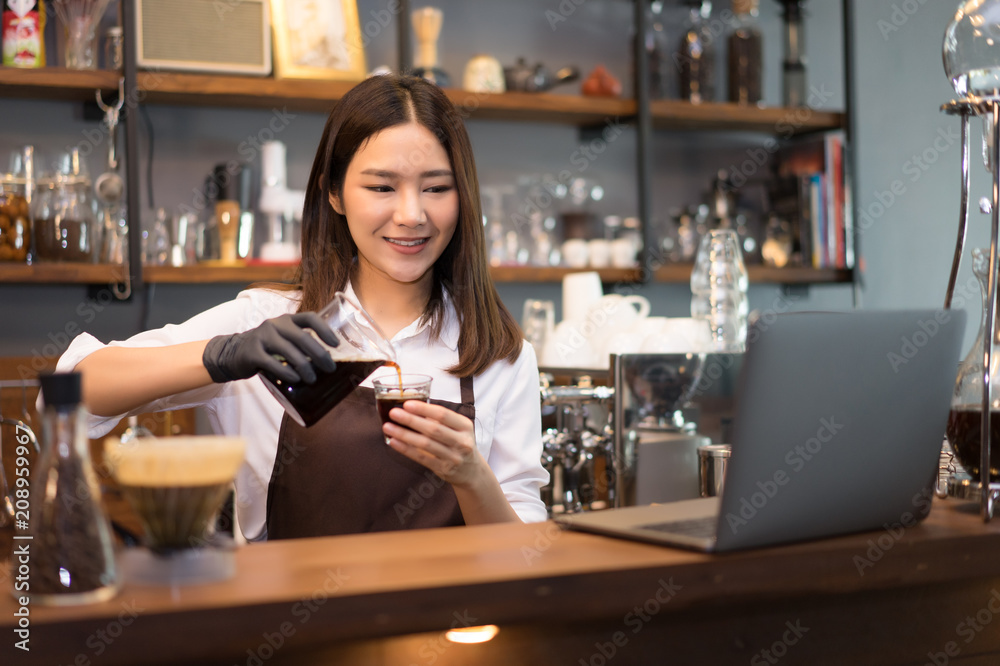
x,y
719,290
695,56
965,419
745,58
72,556
794,65
657,50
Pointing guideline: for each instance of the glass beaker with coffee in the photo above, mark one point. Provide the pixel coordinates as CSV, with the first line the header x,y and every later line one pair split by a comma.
x,y
363,348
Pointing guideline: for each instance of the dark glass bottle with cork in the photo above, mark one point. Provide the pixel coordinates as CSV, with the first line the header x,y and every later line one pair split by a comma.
x,y
745,55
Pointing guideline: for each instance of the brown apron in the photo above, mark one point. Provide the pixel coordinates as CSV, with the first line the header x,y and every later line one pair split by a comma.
x,y
340,477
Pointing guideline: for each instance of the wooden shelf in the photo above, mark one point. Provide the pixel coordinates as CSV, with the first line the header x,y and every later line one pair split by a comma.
x,y
241,91
765,274
61,273
542,107
202,274
672,273
674,114
319,96
56,83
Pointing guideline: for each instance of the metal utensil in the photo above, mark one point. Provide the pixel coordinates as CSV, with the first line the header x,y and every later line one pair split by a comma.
x,y
109,185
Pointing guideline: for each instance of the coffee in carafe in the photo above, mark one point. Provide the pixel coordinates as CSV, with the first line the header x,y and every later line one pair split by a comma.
x,y
362,349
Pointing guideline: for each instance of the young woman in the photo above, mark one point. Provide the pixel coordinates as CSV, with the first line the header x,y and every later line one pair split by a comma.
x,y
392,218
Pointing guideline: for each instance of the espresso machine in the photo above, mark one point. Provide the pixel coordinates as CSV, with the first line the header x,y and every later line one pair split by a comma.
x,y
624,436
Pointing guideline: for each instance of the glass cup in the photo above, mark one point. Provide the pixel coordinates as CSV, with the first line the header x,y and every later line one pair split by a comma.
x,y
363,348
538,322
392,390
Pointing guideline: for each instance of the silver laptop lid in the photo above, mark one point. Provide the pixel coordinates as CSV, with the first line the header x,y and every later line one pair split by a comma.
x,y
839,423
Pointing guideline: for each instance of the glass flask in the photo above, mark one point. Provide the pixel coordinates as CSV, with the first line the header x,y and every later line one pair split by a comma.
x,y
972,48
72,555
964,420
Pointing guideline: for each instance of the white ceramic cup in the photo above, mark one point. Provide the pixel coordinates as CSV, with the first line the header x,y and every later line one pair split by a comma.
x,y
575,253
600,253
622,253
579,292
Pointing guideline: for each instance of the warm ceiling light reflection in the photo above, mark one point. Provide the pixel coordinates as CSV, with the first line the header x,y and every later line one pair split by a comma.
x,y
472,634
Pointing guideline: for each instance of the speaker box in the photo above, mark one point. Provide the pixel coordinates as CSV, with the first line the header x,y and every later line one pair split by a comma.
x,y
222,36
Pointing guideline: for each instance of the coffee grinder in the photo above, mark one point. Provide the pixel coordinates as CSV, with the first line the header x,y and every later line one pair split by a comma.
x,y
655,443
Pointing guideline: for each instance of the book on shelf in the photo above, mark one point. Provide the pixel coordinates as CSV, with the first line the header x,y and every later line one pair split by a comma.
x,y
812,192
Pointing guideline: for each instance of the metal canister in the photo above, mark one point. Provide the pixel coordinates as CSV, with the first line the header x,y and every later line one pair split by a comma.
x,y
712,462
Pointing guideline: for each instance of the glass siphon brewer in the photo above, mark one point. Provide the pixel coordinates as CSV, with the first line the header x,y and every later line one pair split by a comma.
x,y
971,55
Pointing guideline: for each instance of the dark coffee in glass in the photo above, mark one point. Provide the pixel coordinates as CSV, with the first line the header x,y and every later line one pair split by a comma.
x,y
308,403
393,390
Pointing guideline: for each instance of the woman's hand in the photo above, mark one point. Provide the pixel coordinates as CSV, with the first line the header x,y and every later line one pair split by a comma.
x,y
438,438
282,346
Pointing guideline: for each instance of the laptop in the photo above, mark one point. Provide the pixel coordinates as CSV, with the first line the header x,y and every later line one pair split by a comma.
x,y
838,428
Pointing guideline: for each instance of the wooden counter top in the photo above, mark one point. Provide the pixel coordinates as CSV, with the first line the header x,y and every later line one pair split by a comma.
x,y
559,597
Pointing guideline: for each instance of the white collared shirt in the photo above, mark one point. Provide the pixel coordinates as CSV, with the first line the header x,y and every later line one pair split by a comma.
x,y
508,413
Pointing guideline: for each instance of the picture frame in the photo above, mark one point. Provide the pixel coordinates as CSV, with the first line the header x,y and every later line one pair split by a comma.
x,y
317,39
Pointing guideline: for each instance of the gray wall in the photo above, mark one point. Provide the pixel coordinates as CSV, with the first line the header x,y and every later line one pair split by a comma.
x,y
899,86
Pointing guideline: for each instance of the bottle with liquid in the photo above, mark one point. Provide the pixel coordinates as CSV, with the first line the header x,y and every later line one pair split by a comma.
x,y
695,55
72,554
745,54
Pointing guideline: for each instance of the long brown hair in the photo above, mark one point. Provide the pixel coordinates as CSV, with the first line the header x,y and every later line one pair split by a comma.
x,y
488,332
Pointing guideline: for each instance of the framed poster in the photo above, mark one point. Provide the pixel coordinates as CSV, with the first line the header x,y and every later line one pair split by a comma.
x,y
317,39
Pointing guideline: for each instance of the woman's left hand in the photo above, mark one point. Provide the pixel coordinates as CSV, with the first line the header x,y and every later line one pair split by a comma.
x,y
438,438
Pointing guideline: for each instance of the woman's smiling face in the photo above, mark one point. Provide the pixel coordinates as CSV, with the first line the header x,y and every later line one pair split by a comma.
x,y
400,202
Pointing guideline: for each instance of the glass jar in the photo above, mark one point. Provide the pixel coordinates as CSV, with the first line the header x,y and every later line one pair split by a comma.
x,y
15,221
65,224
965,419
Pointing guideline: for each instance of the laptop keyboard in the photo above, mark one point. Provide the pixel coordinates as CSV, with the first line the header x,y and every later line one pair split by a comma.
x,y
699,527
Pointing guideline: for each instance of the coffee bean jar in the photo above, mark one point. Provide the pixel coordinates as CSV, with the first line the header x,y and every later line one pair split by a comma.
x,y
15,226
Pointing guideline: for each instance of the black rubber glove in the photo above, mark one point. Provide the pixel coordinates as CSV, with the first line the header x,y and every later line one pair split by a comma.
x,y
282,346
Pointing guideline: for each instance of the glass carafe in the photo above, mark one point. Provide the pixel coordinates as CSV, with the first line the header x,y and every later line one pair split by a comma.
x,y
965,418
72,553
